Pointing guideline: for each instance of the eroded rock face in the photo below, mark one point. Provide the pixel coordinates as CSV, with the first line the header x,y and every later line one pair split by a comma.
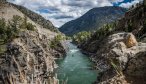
x,y
120,57
28,60
137,65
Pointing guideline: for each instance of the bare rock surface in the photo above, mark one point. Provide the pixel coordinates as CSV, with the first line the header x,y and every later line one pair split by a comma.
x,y
29,58
121,58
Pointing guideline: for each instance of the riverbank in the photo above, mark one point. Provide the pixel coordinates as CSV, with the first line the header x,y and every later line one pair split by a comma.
x,y
75,68
119,58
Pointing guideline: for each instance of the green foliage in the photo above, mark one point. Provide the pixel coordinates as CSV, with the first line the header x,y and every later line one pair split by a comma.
x,y
2,48
27,25
11,29
81,37
53,44
36,18
59,37
24,23
16,21
68,38
3,29
105,30
30,26
56,41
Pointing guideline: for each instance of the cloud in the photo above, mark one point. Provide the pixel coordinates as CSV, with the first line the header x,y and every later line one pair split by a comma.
x,y
61,11
129,4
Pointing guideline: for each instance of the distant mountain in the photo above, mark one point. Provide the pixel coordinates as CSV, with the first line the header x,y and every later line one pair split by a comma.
x,y
93,19
112,48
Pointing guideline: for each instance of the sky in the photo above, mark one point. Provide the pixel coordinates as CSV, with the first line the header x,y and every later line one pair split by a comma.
x,y
61,11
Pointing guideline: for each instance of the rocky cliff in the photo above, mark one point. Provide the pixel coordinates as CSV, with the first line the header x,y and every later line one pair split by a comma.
x,y
133,21
29,57
119,52
121,60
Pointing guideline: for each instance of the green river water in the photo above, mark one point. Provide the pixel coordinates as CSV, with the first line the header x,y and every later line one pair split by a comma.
x,y
75,68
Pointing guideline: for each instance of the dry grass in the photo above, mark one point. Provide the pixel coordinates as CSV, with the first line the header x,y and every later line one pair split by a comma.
x,y
116,68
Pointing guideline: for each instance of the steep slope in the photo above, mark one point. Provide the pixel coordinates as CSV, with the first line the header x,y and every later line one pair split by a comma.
x,y
134,21
29,57
119,52
7,11
93,19
36,18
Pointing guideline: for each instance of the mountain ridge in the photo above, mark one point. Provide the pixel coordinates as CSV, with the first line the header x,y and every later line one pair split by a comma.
x,y
118,51
93,19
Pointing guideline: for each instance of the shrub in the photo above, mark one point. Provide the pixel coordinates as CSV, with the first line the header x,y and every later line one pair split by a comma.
x,y
81,37
3,29
30,26
12,29
2,48
56,41
68,38
105,30
27,25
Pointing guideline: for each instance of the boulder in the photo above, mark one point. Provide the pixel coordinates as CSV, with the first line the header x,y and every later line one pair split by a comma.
x,y
121,56
130,40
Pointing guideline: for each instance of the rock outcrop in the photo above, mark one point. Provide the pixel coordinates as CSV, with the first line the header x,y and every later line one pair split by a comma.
x,y
29,58
120,56
121,59
133,21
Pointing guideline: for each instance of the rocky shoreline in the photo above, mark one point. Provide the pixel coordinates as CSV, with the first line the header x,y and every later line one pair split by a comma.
x,y
29,59
120,60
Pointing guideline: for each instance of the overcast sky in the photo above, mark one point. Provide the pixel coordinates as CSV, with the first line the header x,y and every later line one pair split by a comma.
x,y
62,11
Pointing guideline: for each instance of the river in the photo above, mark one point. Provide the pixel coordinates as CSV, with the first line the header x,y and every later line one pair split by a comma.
x,y
75,68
